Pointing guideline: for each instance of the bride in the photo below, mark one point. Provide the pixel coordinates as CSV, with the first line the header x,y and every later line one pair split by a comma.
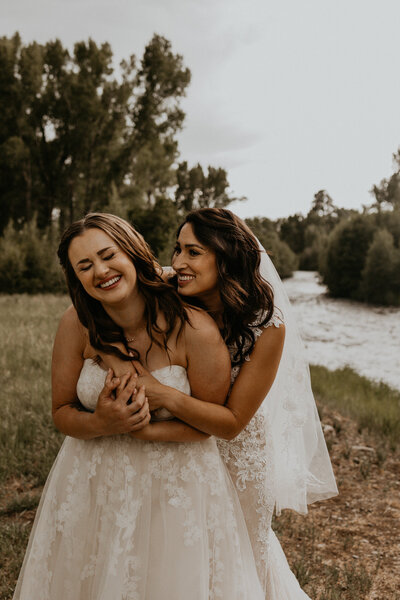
x,y
122,518
270,435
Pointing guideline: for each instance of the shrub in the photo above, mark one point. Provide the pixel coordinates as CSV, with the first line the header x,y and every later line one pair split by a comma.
x,y
28,261
380,277
345,256
284,259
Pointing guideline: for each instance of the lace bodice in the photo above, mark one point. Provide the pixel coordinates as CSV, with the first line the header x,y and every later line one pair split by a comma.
x,y
92,377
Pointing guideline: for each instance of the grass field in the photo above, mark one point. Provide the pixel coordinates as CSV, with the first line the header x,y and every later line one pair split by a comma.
x,y
352,405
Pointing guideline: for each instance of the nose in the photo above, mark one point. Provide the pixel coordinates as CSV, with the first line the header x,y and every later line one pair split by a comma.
x,y
101,270
178,261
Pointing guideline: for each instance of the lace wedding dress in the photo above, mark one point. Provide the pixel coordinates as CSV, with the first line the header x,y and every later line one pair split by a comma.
x,y
249,461
130,520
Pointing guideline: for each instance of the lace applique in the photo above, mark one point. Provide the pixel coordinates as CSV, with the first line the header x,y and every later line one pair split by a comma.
x,y
248,458
110,500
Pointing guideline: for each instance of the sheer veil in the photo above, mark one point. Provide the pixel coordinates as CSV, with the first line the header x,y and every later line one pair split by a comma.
x,y
302,470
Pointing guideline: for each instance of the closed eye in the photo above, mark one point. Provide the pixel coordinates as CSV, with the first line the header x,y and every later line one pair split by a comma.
x,y
109,257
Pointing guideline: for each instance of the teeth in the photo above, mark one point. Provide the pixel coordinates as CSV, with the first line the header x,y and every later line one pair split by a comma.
x,y
110,282
186,277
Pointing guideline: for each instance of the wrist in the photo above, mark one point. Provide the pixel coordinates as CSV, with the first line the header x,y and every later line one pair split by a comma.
x,y
170,399
97,426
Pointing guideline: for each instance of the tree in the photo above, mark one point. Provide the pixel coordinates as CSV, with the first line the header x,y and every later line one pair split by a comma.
x,y
345,257
381,274
70,129
282,256
292,231
156,118
74,138
195,189
387,192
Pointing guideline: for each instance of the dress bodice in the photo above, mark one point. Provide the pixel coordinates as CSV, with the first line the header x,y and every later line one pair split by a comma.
x,y
92,377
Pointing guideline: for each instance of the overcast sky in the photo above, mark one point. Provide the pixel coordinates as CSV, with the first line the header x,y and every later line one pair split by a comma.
x,y
289,96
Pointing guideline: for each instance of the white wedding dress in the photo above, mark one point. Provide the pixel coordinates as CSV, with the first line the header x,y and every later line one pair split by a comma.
x,y
248,458
122,519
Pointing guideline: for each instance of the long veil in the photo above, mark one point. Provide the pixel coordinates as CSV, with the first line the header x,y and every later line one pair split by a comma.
x,y
302,470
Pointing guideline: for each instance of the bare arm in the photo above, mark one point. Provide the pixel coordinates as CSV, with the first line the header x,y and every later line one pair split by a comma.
x,y
112,416
251,386
170,431
209,374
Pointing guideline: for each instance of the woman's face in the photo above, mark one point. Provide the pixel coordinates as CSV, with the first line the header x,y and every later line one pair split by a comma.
x,y
105,271
195,265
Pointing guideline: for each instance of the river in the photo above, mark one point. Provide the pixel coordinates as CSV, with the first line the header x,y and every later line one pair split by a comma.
x,y
342,332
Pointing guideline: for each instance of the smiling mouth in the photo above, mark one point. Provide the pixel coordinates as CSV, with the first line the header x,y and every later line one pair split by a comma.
x,y
184,277
110,282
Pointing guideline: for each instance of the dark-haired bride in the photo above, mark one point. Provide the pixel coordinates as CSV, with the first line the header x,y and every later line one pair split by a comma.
x,y
269,432
122,518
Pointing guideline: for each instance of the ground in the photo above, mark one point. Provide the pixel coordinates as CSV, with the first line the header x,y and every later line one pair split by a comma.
x,y
349,546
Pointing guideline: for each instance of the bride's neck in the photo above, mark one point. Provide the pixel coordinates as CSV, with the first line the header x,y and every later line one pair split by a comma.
x,y
129,315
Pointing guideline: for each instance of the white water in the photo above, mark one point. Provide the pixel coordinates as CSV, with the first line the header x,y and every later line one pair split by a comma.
x,y
342,332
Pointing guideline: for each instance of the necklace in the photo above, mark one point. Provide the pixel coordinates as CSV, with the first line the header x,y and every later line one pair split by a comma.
x,y
134,337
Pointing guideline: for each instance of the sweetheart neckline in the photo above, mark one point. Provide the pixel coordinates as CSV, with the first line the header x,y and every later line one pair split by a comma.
x,y
152,372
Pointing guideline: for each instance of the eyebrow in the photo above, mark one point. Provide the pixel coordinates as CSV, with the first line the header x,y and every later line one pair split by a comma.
x,y
99,253
191,245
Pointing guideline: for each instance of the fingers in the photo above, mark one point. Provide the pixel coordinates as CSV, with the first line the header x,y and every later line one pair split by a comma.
x,y
141,418
138,401
123,381
142,424
110,384
139,368
125,394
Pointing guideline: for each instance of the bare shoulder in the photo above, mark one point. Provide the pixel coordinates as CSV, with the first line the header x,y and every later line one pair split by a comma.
x,y
71,328
271,339
201,325
70,317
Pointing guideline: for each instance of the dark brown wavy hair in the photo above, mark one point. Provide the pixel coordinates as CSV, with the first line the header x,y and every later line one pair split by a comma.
x,y
247,298
158,295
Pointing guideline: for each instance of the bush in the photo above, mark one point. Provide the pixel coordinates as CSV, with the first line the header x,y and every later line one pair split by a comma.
x,y
380,277
315,242
345,257
284,259
28,261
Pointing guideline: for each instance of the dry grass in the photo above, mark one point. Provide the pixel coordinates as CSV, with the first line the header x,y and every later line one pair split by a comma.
x,y
348,547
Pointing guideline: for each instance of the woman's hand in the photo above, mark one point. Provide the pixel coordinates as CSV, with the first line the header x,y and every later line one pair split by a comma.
x,y
113,413
153,387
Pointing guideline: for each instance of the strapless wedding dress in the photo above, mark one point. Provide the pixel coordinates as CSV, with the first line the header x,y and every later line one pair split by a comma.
x,y
122,519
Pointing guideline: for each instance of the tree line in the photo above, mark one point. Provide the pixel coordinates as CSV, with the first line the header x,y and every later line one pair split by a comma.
x,y
79,135
357,253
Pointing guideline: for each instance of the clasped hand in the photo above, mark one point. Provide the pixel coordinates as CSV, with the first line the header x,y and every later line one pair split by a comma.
x,y
121,406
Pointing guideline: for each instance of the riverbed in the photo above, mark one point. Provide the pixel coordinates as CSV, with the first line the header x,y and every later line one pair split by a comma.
x,y
341,332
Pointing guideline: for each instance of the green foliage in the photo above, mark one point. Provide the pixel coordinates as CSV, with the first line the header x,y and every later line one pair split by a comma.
x,y
345,256
283,257
158,226
374,406
77,137
315,239
28,261
196,189
307,236
75,129
381,274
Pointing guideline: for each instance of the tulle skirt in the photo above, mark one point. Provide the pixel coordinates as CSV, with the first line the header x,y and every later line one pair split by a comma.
x,y
121,519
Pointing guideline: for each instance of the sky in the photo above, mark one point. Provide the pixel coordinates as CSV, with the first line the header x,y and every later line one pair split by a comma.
x,y
289,97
